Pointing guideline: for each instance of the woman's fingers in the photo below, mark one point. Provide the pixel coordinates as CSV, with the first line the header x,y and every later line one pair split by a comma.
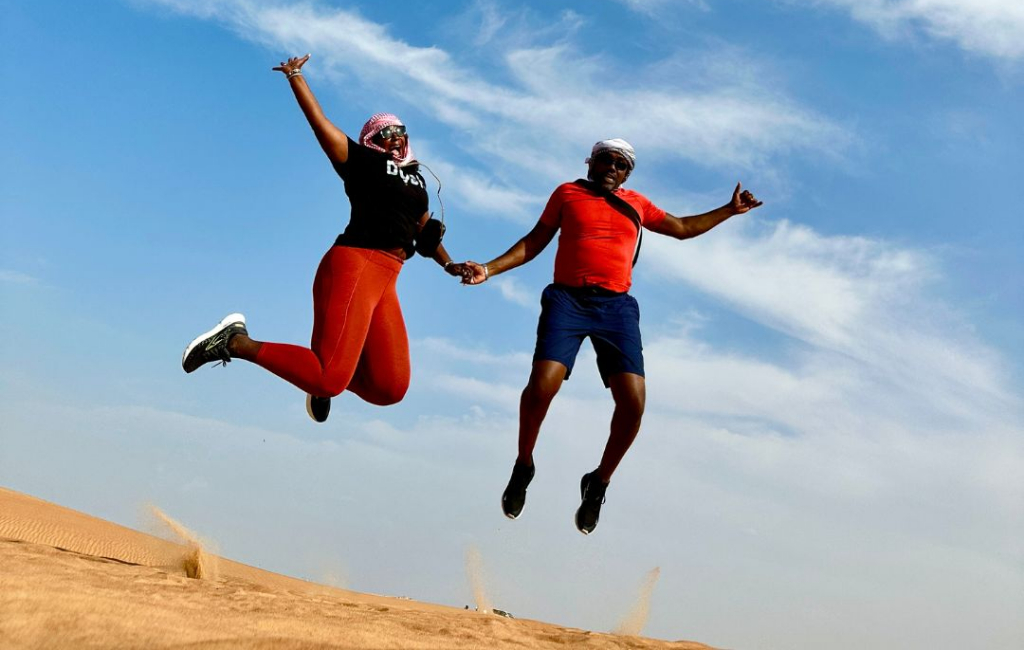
x,y
293,63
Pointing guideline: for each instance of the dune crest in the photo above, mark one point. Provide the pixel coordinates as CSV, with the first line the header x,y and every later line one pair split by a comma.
x,y
70,580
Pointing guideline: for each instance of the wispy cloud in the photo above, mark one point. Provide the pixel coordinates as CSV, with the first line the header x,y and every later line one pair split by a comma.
x,y
853,297
824,428
556,100
992,28
8,276
474,354
505,397
652,7
790,277
513,291
490,23
477,193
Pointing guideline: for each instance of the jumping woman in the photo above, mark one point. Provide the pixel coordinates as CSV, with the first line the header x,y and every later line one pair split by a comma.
x,y
359,342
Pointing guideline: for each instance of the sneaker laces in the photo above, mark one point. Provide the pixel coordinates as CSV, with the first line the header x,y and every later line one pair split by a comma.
x,y
218,347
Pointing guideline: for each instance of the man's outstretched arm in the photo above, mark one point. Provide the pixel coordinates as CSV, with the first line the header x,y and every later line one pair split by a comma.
x,y
687,227
521,252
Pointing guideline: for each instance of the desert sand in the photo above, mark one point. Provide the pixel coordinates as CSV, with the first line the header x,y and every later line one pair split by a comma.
x,y
69,580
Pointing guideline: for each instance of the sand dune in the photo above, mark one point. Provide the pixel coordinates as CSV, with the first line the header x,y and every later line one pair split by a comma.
x,y
69,580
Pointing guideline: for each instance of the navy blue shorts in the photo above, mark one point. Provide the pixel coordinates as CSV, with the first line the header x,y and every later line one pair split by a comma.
x,y
611,320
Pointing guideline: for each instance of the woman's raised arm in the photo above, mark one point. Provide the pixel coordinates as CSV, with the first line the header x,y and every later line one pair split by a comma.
x,y
332,140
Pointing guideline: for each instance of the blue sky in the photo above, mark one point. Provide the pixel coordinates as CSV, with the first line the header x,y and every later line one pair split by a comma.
x,y
833,453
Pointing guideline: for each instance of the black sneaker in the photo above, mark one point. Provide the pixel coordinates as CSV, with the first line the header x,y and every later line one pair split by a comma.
x,y
514,498
318,407
213,345
592,492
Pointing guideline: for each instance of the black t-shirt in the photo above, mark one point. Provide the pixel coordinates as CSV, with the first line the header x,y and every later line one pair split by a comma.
x,y
387,200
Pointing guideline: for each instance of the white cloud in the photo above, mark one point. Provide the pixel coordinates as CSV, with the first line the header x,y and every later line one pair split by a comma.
x,y
491,21
789,276
505,397
652,7
474,354
992,28
9,276
851,296
476,193
513,291
558,99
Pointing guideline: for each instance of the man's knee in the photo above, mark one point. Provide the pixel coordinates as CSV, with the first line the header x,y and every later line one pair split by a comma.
x,y
540,390
536,393
630,394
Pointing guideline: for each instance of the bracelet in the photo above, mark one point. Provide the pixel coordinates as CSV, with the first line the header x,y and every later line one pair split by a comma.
x,y
487,273
293,73
447,264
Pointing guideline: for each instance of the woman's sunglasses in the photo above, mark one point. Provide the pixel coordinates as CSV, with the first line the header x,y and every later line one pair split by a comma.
x,y
393,131
607,159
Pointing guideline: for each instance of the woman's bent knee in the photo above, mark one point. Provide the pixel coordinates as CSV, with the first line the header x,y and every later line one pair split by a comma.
x,y
384,395
330,389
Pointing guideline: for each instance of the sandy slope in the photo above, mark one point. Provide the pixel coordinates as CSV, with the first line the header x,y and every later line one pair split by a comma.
x,y
68,580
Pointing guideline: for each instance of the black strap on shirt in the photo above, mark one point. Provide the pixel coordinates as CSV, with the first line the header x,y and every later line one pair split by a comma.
x,y
622,206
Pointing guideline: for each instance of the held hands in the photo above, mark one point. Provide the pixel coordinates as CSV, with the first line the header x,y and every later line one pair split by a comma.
x,y
743,201
471,272
459,270
293,67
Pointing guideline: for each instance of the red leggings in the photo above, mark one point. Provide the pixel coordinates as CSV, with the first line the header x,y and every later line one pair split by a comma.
x,y
359,341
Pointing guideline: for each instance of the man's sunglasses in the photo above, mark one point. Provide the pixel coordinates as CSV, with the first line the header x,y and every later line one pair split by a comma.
x,y
607,159
393,131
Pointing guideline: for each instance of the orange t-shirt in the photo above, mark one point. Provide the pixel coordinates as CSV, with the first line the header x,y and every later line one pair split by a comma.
x,y
597,241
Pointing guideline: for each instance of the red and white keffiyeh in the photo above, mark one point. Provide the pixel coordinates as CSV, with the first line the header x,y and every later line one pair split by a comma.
x,y
375,125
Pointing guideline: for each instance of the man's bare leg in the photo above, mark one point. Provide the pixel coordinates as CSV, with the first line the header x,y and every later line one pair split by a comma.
x,y
545,380
630,394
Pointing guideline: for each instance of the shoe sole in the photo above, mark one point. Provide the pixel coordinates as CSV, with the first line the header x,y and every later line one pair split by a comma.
x,y
575,518
230,319
309,409
513,518
583,532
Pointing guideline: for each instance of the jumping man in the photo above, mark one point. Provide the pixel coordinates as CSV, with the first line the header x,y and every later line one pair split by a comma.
x,y
600,224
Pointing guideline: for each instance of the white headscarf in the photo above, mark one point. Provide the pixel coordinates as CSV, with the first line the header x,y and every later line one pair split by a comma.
x,y
618,145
